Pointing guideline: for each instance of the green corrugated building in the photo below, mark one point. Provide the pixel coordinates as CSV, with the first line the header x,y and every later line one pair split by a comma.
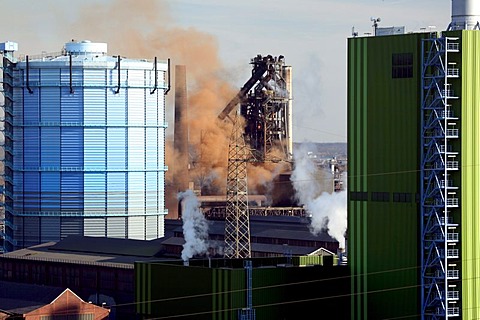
x,y
215,289
414,172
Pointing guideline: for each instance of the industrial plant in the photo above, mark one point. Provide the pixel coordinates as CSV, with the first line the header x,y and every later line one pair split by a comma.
x,y
85,174
88,196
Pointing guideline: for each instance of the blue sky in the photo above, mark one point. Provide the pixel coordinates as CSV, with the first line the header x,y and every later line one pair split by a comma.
x,y
311,34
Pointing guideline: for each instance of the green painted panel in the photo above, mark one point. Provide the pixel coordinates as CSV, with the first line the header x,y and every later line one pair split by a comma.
x,y
383,153
470,171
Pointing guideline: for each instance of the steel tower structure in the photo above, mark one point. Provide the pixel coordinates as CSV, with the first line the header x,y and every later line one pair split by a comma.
x,y
237,220
440,174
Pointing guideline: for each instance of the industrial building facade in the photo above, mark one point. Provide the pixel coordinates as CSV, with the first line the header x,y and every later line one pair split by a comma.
x,y
84,146
413,205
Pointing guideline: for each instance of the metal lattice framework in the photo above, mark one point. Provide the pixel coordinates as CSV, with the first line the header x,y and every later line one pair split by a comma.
x,y
440,269
237,221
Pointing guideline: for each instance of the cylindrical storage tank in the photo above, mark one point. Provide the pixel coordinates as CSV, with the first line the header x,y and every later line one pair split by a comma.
x,y
465,14
88,157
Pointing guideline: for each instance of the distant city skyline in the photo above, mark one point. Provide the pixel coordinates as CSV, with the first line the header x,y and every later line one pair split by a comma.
x,y
311,34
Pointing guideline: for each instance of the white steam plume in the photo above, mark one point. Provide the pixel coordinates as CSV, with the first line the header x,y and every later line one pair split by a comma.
x,y
195,226
328,209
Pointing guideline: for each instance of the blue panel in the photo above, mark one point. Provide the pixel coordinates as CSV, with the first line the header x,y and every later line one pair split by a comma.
x,y
116,193
18,147
50,148
31,194
31,227
151,195
72,190
116,227
151,146
77,78
34,78
49,78
50,186
94,227
50,229
94,106
94,193
116,108
136,78
151,110
71,226
50,105
72,106
94,77
72,147
31,111
136,107
161,148
136,149
116,148
136,193
151,227
94,149
31,148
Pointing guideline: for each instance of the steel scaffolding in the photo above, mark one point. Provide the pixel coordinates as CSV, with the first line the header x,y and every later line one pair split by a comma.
x,y
440,257
237,220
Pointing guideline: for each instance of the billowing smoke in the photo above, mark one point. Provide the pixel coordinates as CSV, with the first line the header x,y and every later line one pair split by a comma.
x,y
328,209
145,29
195,226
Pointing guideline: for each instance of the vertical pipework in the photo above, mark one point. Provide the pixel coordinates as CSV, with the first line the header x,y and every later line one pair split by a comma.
x,y
28,75
156,75
287,75
168,88
118,67
71,82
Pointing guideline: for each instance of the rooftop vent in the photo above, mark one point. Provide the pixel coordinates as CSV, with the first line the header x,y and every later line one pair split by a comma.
x,y
86,47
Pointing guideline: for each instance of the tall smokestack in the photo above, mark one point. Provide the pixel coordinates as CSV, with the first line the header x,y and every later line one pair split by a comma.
x,y
181,128
465,15
180,143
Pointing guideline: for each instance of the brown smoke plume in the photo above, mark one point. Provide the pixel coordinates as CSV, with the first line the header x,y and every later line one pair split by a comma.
x,y
144,29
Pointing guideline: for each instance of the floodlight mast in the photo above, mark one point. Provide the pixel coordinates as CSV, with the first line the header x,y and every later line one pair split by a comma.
x,y
375,24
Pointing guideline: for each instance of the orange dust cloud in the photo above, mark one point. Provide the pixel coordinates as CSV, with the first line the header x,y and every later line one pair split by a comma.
x,y
145,29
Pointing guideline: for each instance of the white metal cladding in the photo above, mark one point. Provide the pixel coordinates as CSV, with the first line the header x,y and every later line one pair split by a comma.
x,y
465,14
88,150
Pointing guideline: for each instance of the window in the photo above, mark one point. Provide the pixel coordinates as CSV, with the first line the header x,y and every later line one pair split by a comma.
x,y
358,196
402,65
402,197
381,196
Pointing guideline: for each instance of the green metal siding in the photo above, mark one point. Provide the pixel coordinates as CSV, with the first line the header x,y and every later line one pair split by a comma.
x,y
279,290
470,160
383,152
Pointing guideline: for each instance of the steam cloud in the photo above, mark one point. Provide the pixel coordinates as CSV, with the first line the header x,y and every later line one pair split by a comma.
x,y
195,226
328,209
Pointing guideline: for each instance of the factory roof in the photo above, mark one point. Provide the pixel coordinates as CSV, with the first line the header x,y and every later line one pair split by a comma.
x,y
123,253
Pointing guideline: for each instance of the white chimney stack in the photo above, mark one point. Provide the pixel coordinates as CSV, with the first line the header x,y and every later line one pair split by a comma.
x,y
465,15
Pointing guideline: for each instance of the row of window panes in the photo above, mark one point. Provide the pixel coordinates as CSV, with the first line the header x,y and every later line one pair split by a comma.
x,y
382,196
